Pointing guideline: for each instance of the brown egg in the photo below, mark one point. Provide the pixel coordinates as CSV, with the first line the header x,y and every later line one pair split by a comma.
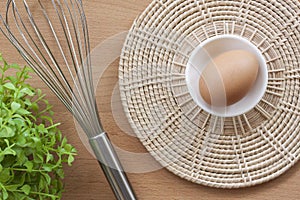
x,y
228,77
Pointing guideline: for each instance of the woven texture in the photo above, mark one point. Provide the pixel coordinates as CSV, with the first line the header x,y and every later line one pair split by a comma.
x,y
220,152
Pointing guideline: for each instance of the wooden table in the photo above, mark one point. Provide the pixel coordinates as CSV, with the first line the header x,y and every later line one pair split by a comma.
x,y
84,180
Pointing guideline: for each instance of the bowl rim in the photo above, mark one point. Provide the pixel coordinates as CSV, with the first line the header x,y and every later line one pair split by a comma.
x,y
240,107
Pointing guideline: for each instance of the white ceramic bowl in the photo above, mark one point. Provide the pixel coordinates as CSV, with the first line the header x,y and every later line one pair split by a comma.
x,y
211,48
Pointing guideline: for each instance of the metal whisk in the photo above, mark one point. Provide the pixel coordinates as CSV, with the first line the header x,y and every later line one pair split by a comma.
x,y
52,37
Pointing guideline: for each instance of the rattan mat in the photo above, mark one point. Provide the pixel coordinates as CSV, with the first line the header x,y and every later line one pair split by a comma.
x,y
228,152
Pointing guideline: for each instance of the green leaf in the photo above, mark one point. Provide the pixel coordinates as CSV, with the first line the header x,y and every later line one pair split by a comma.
x,y
15,106
47,118
47,167
12,79
27,91
60,173
15,66
6,132
64,142
8,151
39,92
5,175
26,189
12,187
42,184
11,123
21,196
70,159
42,129
29,166
48,178
22,111
21,158
49,157
22,179
37,158
10,86
21,140
34,107
1,89
19,122
27,102
4,194
68,147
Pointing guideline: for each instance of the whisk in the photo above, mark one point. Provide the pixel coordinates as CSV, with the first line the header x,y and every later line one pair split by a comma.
x,y
52,37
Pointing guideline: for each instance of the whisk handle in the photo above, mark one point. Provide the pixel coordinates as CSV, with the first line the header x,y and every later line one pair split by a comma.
x,y
112,167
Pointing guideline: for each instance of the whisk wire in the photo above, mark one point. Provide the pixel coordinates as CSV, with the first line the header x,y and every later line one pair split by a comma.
x,y
53,76
85,76
80,71
44,74
45,69
49,77
65,60
73,85
88,71
85,87
77,103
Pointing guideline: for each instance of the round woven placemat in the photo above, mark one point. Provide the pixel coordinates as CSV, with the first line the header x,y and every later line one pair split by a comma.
x,y
221,152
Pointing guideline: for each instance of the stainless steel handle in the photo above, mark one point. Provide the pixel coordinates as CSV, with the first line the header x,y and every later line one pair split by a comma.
x,y
112,167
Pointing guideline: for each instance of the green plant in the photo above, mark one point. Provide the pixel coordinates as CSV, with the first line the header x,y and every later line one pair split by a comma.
x,y
32,148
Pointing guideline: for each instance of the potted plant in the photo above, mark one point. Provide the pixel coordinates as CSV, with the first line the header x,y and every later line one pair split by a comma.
x,y
32,148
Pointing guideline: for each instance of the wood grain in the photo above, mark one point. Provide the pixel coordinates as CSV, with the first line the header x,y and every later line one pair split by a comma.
x,y
85,180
